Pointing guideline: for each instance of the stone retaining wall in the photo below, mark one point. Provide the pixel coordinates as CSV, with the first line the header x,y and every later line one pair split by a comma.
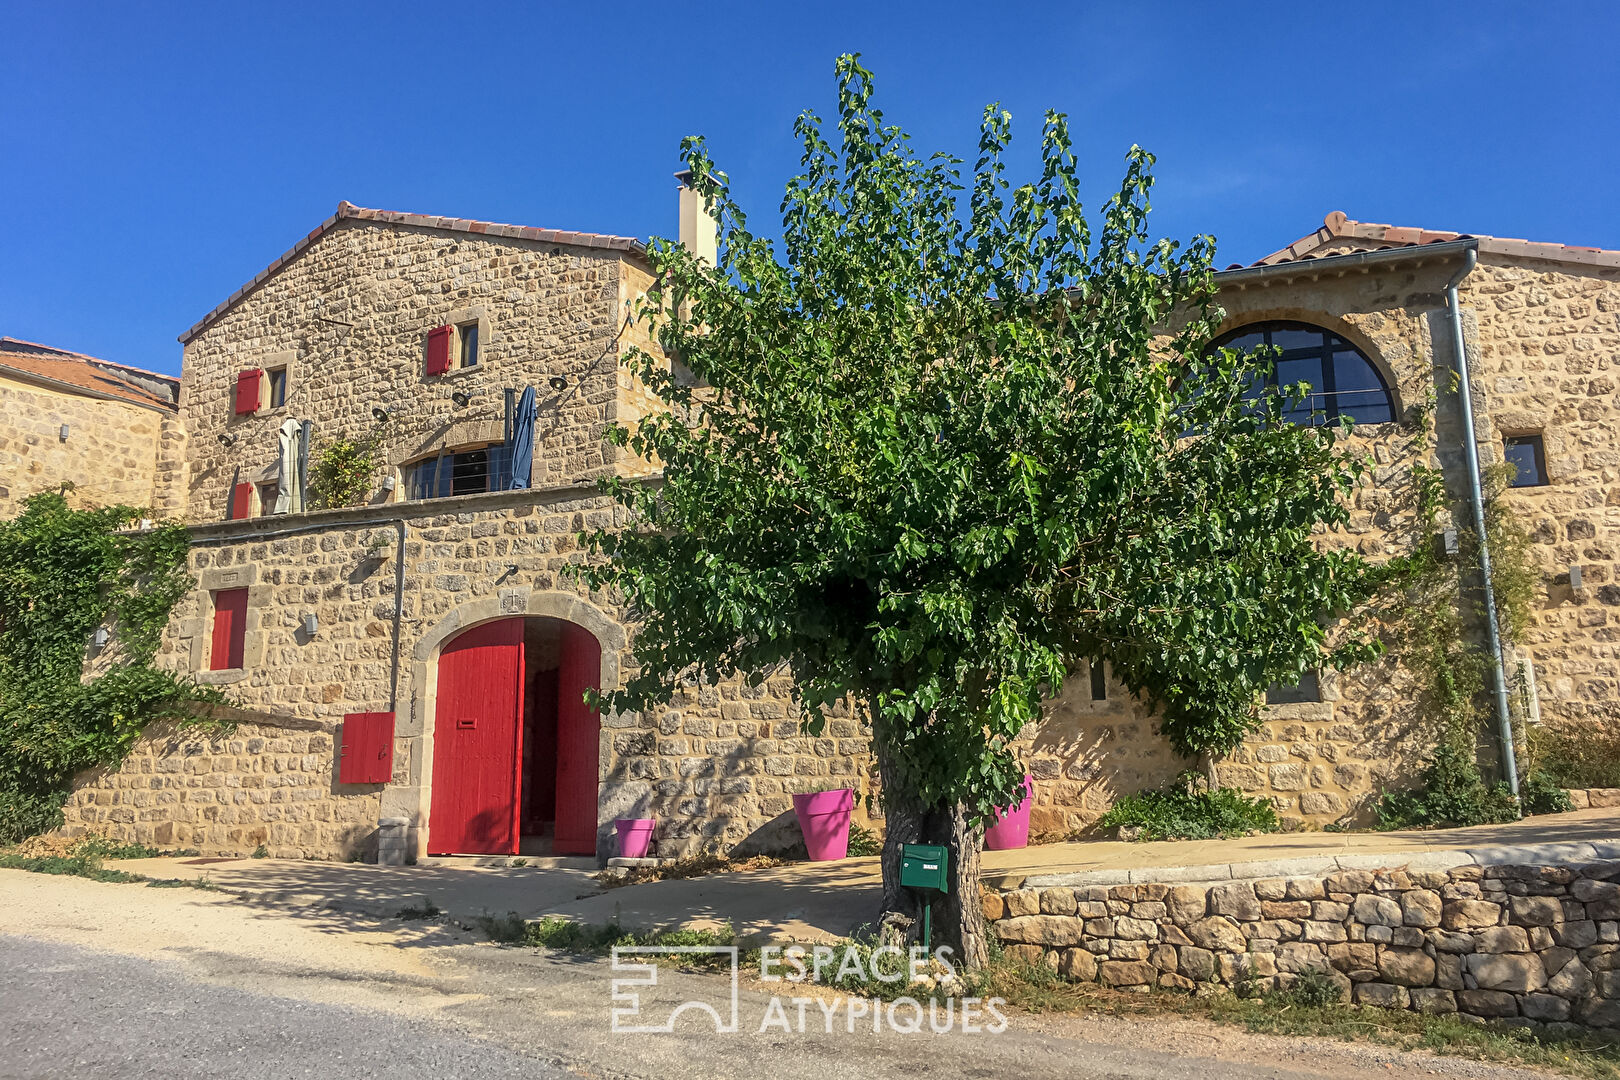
x,y
271,781
1532,945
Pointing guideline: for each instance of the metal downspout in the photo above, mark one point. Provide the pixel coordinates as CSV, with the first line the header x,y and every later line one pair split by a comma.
x,y
399,608
1504,720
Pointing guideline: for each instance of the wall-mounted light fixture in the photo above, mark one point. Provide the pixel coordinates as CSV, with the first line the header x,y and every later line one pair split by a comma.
x,y
227,438
389,483
1574,577
1448,542
557,383
64,432
101,637
379,414
311,624
460,399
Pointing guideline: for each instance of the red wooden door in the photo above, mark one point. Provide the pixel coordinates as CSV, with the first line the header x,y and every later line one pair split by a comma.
x,y
478,742
578,728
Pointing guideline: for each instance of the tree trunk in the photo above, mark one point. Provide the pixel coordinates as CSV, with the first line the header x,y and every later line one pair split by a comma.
x,y
957,917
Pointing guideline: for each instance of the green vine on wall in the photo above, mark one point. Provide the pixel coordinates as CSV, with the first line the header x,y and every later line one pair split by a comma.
x,y
64,572
1435,600
342,472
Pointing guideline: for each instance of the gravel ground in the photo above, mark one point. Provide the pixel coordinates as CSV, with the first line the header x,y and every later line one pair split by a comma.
x,y
125,981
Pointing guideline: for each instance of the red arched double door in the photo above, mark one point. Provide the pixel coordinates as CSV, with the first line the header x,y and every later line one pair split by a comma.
x,y
491,679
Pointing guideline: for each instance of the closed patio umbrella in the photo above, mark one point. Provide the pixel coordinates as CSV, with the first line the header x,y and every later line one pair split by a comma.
x,y
523,441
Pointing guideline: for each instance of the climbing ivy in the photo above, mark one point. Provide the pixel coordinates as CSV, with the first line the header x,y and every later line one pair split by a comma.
x,y
64,572
342,472
1434,599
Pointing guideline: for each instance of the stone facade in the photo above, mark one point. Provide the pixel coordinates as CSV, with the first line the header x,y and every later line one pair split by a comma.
x,y
347,314
270,781
717,767
348,319
1534,945
116,450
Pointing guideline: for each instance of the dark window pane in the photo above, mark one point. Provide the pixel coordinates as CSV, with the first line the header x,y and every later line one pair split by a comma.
x,y
1290,339
1099,682
1526,454
1308,689
469,345
1244,342
469,473
278,387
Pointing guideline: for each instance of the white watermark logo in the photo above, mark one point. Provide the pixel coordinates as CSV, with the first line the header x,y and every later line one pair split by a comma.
x,y
627,1002
933,1003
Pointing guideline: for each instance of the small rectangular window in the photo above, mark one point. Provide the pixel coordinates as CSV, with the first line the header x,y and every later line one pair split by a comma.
x,y
267,498
1307,689
277,377
230,629
1099,682
1529,459
469,344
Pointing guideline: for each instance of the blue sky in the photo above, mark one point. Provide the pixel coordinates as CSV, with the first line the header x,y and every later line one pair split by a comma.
x,y
159,155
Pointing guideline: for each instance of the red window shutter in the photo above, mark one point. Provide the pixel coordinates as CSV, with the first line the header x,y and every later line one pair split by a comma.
x,y
367,754
230,628
438,349
247,391
241,500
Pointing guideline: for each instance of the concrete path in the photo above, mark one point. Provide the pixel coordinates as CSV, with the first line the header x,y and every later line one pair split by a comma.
x,y
815,901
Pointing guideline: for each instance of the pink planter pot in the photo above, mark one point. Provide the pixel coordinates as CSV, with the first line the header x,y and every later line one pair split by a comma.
x,y
635,836
824,820
1010,827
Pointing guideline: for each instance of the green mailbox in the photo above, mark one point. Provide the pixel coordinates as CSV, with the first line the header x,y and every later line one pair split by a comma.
x,y
924,866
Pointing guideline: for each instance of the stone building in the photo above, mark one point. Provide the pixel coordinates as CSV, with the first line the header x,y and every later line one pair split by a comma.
x,y
110,430
430,632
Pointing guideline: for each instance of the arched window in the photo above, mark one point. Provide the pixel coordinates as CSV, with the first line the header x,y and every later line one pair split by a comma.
x,y
1343,382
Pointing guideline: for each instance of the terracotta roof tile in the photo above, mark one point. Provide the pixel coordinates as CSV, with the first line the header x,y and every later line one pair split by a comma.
x,y
1367,236
347,211
102,377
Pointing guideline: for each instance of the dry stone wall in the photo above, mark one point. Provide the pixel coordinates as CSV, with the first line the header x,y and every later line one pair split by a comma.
x,y
269,782
1535,945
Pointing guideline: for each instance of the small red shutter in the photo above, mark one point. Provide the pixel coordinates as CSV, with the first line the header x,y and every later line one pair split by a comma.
x,y
247,391
368,748
230,628
438,353
241,500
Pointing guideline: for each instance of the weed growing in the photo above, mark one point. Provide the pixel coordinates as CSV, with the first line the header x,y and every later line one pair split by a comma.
x,y
1185,812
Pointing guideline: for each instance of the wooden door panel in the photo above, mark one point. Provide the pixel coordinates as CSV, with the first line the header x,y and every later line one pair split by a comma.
x,y
578,732
477,742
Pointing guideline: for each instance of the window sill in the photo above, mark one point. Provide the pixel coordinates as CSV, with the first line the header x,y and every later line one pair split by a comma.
x,y
222,676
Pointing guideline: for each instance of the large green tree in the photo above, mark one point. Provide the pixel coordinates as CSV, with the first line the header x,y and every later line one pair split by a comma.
x,y
940,443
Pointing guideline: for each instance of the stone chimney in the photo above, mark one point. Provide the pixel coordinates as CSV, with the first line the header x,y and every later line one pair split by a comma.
x,y
699,230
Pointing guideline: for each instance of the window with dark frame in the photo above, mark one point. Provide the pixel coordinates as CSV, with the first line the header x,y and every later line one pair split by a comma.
x,y
465,472
1528,457
1342,381
1099,682
1309,688
267,498
278,386
469,344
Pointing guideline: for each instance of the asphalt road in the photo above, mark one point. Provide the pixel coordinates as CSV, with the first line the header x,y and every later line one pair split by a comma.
x,y
71,1012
